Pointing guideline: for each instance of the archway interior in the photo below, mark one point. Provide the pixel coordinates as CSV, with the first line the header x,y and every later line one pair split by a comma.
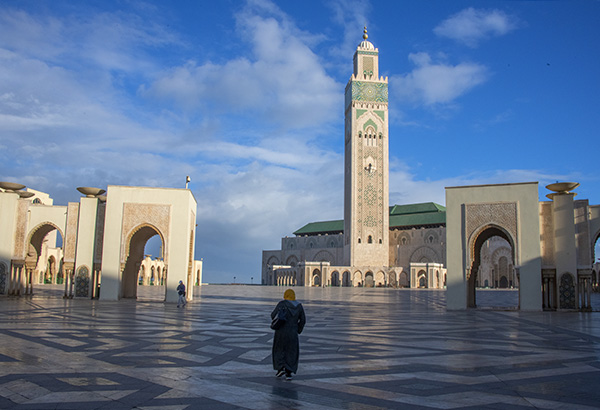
x,y
137,249
45,252
369,280
152,268
479,297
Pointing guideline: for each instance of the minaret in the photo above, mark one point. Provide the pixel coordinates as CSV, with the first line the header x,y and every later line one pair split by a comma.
x,y
366,187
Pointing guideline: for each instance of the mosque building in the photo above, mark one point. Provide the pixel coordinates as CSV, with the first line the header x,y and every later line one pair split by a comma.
x,y
375,244
487,236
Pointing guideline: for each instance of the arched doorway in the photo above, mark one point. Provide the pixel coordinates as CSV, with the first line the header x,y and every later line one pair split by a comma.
x,y
49,276
357,281
369,280
135,248
422,278
346,279
380,279
142,277
480,238
42,253
316,277
335,278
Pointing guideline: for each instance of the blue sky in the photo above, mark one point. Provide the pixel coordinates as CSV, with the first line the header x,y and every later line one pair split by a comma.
x,y
247,99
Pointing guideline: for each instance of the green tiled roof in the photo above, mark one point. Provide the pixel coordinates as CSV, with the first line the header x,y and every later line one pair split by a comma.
x,y
428,218
330,227
428,213
416,208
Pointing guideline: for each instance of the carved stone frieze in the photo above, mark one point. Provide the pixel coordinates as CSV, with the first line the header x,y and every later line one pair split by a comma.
x,y
502,214
20,230
156,215
70,241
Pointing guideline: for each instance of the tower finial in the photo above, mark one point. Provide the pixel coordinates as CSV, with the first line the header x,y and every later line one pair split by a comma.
x,y
365,35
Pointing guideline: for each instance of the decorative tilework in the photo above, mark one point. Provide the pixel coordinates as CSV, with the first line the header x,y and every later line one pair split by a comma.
x,y
368,53
367,91
3,275
567,292
82,282
369,123
359,113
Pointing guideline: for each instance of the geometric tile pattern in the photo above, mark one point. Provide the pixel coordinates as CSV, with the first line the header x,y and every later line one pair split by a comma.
x,y
367,91
361,349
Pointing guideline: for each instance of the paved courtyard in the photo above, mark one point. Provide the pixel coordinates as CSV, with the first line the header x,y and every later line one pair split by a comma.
x,y
361,349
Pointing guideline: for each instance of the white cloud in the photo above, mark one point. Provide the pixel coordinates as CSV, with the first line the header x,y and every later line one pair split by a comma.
x,y
437,83
405,187
352,16
470,26
281,82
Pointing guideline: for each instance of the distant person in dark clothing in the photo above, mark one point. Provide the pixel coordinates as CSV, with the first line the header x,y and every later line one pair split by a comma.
x,y
286,348
181,292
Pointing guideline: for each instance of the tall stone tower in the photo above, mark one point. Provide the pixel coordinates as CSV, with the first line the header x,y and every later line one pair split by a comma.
x,y
366,187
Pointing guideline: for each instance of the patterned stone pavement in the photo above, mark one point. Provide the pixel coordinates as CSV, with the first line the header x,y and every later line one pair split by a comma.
x,y
361,349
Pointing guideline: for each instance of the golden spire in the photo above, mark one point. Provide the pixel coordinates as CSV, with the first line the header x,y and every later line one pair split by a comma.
x,y
365,35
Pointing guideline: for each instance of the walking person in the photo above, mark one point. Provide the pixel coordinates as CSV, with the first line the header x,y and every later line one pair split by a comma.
x,y
181,292
286,347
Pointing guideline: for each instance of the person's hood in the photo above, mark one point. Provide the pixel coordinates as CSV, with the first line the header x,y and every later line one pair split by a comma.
x,y
292,305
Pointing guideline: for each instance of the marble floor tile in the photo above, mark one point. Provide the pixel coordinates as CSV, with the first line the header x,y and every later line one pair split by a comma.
x,y
361,349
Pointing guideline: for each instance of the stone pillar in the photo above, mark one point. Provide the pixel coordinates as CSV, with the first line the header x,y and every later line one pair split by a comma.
x,y
21,281
69,277
66,282
71,284
10,279
565,252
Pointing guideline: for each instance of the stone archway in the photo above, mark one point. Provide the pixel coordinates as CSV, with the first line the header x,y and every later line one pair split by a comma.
x,y
316,277
476,243
335,278
515,210
346,282
422,278
357,279
369,280
380,279
35,246
49,276
134,255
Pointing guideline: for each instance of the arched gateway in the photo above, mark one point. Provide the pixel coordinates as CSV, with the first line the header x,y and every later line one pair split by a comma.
x,y
478,213
103,239
549,243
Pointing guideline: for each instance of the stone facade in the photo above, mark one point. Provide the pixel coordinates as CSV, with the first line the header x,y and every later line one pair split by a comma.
x,y
502,235
103,239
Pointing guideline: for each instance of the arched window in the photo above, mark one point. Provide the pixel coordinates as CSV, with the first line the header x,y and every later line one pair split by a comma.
x,y
358,240
370,240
